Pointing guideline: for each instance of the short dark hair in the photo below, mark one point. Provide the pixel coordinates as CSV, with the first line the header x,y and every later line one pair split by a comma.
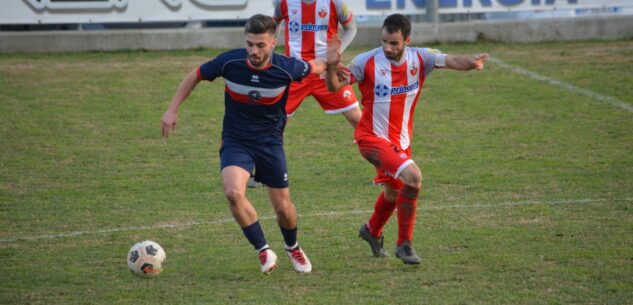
x,y
397,22
260,24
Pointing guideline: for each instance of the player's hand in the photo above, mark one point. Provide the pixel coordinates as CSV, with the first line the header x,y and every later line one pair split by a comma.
x,y
333,50
480,60
343,72
169,122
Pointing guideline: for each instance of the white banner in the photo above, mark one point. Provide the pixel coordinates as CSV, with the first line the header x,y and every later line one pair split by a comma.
x,y
386,7
107,11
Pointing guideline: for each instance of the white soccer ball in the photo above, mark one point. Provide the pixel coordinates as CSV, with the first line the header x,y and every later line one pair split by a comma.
x,y
146,259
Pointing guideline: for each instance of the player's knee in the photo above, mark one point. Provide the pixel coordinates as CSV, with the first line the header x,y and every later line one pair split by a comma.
x,y
391,196
412,177
284,209
410,191
234,195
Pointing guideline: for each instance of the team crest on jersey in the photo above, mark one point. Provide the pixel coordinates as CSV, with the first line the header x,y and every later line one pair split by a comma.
x,y
413,70
322,12
347,94
254,96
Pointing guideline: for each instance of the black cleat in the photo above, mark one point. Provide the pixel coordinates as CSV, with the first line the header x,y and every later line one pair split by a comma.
x,y
374,242
407,254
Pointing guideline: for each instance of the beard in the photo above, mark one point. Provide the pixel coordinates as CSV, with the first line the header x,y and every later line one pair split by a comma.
x,y
258,61
394,55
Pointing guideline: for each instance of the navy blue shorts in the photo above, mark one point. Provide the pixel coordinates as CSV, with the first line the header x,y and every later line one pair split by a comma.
x,y
268,161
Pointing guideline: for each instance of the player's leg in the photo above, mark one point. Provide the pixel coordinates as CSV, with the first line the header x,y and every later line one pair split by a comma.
x,y
372,230
406,203
375,150
236,166
297,92
234,180
272,171
353,116
343,101
287,220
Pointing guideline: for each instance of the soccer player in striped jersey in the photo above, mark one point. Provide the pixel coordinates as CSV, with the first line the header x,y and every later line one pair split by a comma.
x,y
256,89
390,79
308,26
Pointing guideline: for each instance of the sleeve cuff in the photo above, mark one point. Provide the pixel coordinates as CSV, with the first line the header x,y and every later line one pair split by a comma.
x,y
440,60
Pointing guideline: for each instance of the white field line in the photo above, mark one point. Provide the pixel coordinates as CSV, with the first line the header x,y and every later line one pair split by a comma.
x,y
315,214
601,98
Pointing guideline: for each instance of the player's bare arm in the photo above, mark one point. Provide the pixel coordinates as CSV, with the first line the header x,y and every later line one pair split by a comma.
x,y
337,75
465,63
317,66
170,117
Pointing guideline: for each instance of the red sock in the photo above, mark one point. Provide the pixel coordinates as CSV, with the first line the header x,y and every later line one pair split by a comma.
x,y
382,211
406,216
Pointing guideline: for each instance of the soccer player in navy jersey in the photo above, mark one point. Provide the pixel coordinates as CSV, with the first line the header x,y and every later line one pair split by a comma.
x,y
256,89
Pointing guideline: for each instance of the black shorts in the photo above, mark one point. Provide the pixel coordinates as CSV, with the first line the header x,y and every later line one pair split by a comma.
x,y
266,159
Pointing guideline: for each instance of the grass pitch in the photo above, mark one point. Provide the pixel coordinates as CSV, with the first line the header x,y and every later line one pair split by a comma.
x,y
527,189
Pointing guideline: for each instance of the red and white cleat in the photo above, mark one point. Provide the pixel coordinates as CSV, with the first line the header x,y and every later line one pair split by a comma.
x,y
268,259
299,260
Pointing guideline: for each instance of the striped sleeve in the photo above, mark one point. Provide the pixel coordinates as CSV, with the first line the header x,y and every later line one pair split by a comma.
x,y
344,14
278,14
357,66
432,59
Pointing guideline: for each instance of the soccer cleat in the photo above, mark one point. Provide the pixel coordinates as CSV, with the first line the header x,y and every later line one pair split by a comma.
x,y
375,242
299,260
268,259
407,254
253,184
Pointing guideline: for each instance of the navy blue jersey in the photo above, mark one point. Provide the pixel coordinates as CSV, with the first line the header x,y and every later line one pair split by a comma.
x,y
254,99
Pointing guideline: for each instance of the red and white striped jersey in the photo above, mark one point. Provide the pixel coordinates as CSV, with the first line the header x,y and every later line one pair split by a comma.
x,y
390,91
309,26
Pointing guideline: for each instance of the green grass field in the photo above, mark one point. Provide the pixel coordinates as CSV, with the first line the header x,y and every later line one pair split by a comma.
x,y
527,192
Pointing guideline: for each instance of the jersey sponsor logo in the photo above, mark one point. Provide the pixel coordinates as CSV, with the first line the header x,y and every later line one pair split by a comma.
x,y
314,27
294,27
255,79
405,89
382,90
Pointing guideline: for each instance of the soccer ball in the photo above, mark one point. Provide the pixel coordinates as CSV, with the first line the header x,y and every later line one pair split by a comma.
x,y
146,259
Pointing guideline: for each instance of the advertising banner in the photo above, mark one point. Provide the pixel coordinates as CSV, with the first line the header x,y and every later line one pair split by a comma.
x,y
140,11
